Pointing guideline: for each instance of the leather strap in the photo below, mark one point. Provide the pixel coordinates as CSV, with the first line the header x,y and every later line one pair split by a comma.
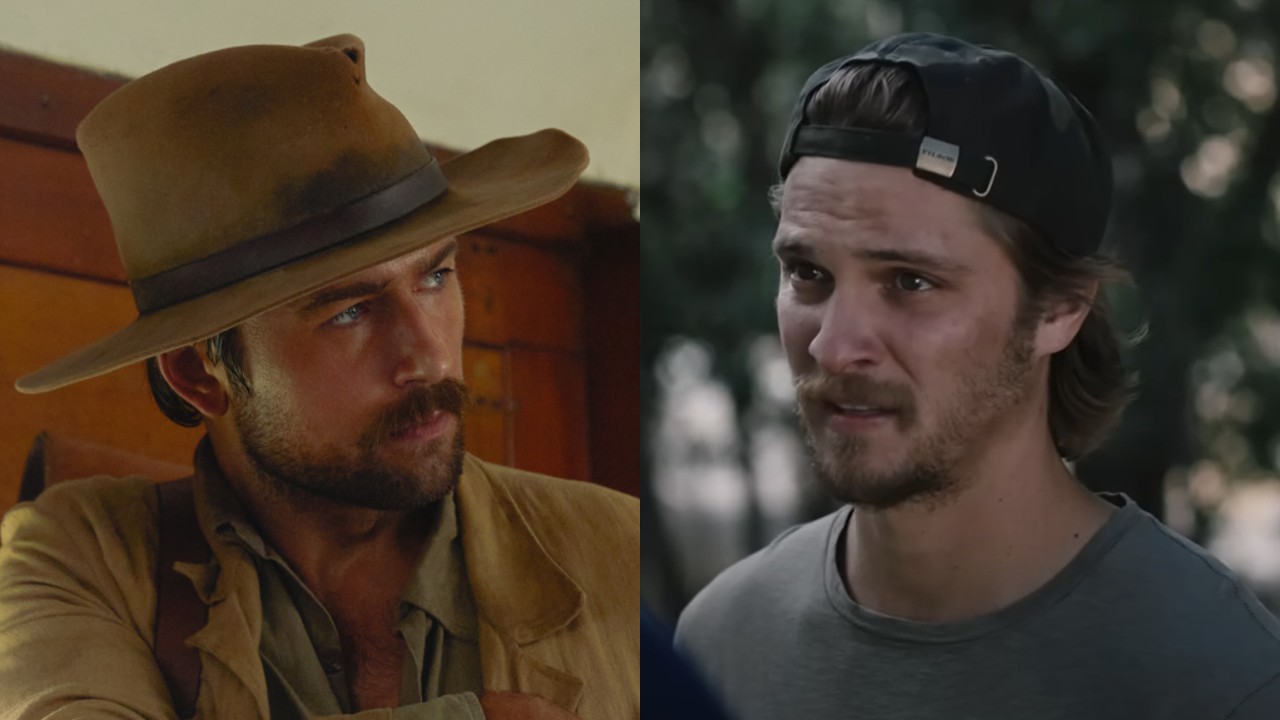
x,y
179,610
256,256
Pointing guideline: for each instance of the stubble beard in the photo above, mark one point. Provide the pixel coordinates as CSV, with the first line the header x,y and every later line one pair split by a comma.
x,y
930,472
358,476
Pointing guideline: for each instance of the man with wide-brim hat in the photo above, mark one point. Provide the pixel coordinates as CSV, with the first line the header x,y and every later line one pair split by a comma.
x,y
290,245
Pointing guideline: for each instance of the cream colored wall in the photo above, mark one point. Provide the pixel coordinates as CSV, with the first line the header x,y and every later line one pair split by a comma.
x,y
463,71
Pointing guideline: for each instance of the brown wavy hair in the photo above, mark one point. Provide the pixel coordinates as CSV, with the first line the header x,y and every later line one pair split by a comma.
x,y
1089,384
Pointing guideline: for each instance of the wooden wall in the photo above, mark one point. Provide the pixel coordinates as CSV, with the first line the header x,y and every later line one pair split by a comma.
x,y
552,341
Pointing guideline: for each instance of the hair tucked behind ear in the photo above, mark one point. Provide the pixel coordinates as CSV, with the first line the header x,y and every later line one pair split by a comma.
x,y
223,348
1089,385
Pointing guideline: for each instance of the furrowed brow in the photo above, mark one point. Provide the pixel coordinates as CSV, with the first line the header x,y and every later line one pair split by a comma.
x,y
328,296
791,247
913,258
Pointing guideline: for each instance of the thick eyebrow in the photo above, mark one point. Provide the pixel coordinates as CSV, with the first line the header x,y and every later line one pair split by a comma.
x,y
329,296
914,258
337,293
792,247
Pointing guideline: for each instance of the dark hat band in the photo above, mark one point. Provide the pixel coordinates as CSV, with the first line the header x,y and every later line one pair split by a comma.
x,y
263,253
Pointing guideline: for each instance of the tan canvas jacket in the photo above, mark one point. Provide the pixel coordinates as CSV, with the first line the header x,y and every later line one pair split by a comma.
x,y
553,564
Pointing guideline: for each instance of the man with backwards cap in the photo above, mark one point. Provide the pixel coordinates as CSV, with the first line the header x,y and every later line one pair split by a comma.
x,y
290,245
940,304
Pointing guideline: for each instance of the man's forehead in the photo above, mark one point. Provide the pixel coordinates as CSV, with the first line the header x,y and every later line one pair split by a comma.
x,y
844,187
854,203
825,200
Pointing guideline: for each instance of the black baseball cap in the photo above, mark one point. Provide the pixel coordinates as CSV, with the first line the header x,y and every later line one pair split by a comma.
x,y
998,131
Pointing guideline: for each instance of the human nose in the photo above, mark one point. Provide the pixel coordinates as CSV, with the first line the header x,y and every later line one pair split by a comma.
x,y
421,344
847,338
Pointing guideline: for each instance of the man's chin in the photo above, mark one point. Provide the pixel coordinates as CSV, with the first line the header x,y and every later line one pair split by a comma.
x,y
840,455
383,478
430,470
872,479
391,488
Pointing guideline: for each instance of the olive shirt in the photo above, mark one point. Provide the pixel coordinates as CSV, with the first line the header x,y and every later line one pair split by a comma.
x,y
301,653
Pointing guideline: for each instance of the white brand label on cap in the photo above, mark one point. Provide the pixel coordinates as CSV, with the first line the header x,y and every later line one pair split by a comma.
x,y
938,157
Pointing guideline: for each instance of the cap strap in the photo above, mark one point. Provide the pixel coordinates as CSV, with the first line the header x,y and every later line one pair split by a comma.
x,y
256,256
931,158
841,143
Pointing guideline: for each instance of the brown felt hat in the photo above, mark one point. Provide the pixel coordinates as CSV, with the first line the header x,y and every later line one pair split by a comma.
x,y
242,179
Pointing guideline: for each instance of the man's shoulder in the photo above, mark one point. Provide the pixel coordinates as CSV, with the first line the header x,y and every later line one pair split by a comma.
x,y
779,579
1156,595
796,554
126,505
543,494
1168,579
81,544
585,527
591,533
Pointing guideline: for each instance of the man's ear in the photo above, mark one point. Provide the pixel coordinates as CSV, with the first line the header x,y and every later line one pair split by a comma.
x,y
193,378
1061,319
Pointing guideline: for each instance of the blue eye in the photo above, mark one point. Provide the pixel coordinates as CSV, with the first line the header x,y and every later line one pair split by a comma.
x,y
437,278
348,316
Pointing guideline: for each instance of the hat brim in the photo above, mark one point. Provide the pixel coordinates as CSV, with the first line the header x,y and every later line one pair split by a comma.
x,y
498,180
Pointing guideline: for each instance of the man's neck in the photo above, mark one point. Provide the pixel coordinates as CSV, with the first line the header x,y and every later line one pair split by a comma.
x,y
1017,521
346,555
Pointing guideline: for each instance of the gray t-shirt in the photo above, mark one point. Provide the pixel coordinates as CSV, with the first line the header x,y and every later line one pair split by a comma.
x,y
1141,624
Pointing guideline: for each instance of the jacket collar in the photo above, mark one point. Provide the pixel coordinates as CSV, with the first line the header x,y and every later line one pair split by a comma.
x,y
518,587
228,584
522,594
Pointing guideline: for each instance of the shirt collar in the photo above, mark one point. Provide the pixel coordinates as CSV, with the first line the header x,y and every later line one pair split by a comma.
x,y
439,583
438,586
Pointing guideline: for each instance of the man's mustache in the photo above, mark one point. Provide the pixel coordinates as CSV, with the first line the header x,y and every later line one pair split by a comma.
x,y
821,387
415,408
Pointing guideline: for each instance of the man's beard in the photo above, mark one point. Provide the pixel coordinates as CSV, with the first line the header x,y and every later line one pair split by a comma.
x,y
929,472
288,466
